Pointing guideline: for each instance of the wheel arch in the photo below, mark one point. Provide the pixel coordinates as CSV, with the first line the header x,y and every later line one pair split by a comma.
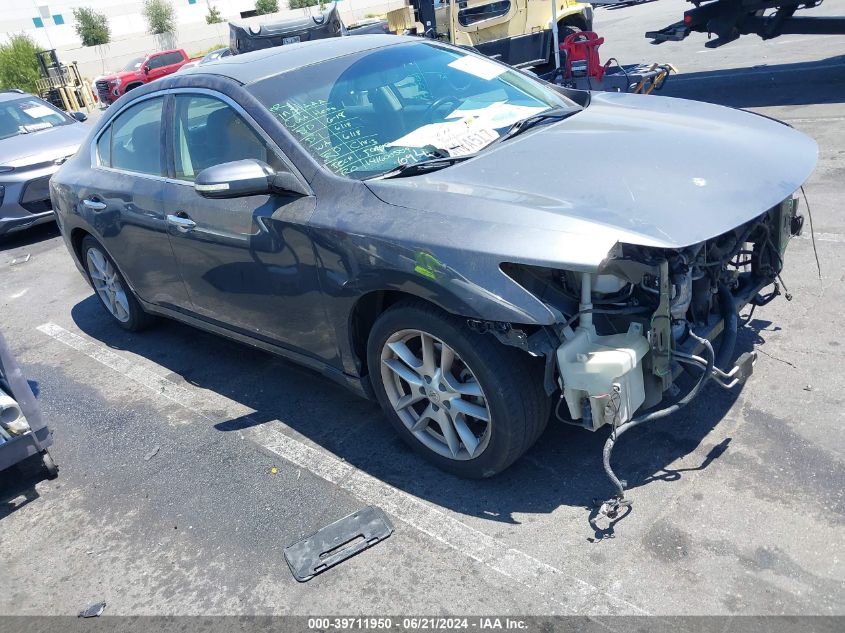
x,y
372,304
76,236
363,315
576,17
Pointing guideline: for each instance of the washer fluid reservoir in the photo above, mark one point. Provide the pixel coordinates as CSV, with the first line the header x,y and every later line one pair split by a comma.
x,y
602,376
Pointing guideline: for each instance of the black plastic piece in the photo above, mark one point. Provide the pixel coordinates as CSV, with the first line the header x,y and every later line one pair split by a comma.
x,y
336,542
93,611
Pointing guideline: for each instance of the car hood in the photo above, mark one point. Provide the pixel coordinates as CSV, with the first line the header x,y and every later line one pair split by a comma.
x,y
43,146
646,170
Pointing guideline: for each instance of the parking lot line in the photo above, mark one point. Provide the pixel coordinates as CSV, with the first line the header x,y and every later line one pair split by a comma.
x,y
826,237
557,586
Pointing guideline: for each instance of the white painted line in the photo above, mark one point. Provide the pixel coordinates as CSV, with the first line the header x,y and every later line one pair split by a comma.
x,y
818,119
568,592
159,384
824,237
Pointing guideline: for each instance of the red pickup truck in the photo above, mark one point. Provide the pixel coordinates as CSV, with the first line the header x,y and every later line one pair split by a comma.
x,y
140,71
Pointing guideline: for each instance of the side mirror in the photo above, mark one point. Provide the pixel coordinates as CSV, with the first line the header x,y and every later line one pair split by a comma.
x,y
79,116
241,178
147,69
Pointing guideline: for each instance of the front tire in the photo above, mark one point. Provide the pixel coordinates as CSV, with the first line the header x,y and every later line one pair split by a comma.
x,y
114,293
463,400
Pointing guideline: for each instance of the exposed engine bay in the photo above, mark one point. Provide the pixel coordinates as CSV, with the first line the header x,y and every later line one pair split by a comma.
x,y
629,329
655,299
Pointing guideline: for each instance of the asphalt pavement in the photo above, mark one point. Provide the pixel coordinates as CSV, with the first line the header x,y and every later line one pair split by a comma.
x,y
189,462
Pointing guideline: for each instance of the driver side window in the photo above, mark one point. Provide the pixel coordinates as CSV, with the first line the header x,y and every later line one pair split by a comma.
x,y
156,62
209,132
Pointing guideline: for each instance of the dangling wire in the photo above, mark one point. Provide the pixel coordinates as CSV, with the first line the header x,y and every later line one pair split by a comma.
x,y
745,320
812,231
612,506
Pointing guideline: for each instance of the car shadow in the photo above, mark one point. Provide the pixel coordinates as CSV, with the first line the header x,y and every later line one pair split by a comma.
x,y
17,485
800,83
563,469
29,237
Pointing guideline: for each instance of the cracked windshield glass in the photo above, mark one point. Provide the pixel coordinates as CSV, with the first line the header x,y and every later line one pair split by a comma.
x,y
367,114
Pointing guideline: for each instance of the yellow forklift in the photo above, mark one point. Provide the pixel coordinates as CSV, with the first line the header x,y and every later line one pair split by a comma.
x,y
517,32
554,38
61,84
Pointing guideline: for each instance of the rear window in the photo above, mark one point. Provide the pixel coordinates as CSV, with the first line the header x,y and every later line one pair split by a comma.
x,y
136,143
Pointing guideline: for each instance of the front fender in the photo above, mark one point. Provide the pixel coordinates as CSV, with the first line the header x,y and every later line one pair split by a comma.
x,y
467,284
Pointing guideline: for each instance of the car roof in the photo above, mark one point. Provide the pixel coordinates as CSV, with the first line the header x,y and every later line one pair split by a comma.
x,y
247,68
9,95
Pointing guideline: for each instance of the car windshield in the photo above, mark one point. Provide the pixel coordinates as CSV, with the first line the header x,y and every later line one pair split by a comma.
x,y
369,113
135,64
30,114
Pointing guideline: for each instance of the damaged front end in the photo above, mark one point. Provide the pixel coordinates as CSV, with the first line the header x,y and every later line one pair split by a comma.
x,y
631,326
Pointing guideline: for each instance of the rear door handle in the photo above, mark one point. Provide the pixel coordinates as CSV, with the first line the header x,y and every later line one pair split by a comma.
x,y
96,205
182,222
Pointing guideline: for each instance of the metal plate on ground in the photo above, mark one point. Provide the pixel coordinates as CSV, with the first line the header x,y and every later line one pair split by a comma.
x,y
336,542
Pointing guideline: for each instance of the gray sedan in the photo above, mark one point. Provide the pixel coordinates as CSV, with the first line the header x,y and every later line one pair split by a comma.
x,y
472,247
35,138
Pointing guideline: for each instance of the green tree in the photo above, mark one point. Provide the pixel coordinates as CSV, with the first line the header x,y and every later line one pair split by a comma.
x,y
18,65
91,27
301,4
160,17
213,16
263,7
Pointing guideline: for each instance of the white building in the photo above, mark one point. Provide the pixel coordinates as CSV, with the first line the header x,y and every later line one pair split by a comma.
x,y
50,22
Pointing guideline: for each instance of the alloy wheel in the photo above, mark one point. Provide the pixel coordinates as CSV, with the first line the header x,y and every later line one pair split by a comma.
x,y
107,283
435,394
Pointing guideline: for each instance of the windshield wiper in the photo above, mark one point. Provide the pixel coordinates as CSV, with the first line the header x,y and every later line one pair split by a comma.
x,y
431,164
555,114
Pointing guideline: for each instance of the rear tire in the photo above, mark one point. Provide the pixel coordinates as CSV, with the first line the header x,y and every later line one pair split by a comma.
x,y
567,29
114,293
438,400
563,31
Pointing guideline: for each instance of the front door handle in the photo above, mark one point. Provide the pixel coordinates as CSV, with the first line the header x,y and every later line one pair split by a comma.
x,y
182,222
96,205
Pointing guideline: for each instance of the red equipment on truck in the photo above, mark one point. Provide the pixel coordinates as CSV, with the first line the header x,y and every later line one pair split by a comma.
x,y
581,68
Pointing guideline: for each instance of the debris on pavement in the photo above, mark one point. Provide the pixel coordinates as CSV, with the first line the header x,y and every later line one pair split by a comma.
x,y
152,453
94,611
20,260
336,542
